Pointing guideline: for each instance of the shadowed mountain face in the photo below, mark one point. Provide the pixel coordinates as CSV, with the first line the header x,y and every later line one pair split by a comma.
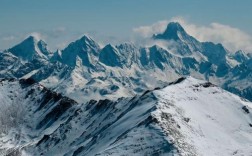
x,y
85,49
173,120
30,49
174,31
84,70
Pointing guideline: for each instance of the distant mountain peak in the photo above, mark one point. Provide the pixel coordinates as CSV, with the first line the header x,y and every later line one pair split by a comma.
x,y
85,48
31,38
240,56
186,44
174,31
85,41
109,55
174,27
86,37
30,48
109,46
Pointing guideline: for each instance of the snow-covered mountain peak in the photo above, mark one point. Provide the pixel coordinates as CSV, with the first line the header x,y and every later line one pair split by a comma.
x,y
88,41
30,49
85,43
85,48
178,39
174,31
240,56
110,47
31,39
110,56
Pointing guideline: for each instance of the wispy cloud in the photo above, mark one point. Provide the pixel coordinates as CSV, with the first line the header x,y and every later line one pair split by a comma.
x,y
232,38
37,35
148,31
8,38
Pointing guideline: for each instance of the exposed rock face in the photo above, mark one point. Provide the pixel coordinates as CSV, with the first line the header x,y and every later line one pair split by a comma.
x,y
183,118
85,71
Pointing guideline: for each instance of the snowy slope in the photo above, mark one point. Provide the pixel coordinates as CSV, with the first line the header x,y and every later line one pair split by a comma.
x,y
28,110
188,117
84,70
211,121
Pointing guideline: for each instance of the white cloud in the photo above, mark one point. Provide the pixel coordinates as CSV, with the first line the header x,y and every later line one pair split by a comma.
x,y
148,31
37,35
232,38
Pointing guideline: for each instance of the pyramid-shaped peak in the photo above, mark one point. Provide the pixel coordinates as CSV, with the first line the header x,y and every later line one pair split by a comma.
x,y
84,48
86,38
30,39
174,31
84,42
110,56
30,48
109,46
174,26
34,38
33,41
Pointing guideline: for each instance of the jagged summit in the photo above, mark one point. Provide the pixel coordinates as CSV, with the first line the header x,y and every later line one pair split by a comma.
x,y
185,44
85,48
84,61
43,47
31,48
86,41
127,46
31,38
174,31
110,56
240,56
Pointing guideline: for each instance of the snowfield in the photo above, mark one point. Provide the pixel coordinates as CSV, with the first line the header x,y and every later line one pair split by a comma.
x,y
211,121
187,117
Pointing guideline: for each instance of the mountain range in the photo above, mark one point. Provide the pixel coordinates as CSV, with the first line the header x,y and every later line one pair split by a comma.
x,y
184,97
85,68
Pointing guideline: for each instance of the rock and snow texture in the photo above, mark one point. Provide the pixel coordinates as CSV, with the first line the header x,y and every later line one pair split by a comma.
x,y
187,117
28,110
209,120
30,49
85,71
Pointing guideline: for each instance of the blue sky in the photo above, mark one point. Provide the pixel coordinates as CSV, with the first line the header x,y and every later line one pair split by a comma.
x,y
61,21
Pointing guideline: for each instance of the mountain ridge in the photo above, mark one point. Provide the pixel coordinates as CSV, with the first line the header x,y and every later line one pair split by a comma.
x,y
128,68
162,121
